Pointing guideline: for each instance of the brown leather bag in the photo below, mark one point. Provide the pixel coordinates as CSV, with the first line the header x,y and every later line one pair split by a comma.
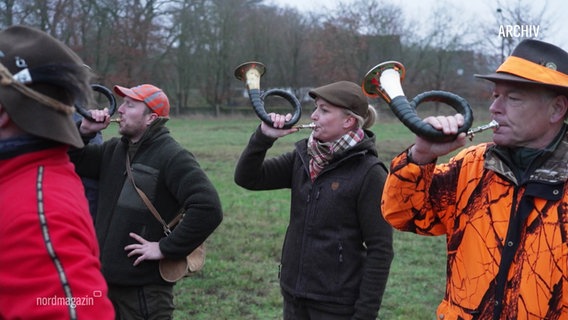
x,y
171,270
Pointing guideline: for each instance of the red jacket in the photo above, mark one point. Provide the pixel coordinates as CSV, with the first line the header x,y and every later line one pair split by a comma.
x,y
49,266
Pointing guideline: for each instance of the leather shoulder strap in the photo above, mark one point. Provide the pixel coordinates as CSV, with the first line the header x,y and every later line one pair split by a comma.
x,y
147,202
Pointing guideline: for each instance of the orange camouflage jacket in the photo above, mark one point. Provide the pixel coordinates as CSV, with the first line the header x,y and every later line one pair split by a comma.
x,y
507,240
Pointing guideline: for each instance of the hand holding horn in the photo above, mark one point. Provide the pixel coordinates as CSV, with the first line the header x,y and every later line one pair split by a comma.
x,y
111,103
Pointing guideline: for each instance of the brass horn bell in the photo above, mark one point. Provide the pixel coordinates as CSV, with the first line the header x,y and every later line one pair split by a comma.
x,y
250,73
385,79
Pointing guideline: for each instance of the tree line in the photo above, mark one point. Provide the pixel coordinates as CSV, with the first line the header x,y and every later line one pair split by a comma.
x,y
191,47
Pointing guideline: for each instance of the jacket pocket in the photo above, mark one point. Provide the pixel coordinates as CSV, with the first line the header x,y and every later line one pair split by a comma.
x,y
340,261
447,312
146,178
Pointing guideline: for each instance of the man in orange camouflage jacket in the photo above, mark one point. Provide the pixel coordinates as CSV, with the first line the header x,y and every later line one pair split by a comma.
x,y
503,206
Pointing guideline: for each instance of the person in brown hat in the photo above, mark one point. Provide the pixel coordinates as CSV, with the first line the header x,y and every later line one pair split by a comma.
x,y
131,238
49,256
338,249
501,205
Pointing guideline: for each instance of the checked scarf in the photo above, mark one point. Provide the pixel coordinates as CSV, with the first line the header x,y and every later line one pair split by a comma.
x,y
321,153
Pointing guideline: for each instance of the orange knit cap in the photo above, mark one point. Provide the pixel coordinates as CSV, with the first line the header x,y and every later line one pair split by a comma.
x,y
151,95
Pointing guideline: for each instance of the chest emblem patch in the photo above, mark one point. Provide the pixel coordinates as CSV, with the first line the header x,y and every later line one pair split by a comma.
x,y
334,185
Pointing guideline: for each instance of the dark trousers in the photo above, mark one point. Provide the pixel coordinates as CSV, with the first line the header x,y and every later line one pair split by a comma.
x,y
305,309
152,302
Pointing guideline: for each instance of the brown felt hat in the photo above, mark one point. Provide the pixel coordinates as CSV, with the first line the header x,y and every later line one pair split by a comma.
x,y
41,79
534,62
343,94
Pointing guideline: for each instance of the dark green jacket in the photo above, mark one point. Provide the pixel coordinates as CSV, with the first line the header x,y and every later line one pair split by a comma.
x,y
338,248
171,177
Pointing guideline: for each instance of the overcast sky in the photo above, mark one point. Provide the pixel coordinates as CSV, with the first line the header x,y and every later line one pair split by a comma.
x,y
413,9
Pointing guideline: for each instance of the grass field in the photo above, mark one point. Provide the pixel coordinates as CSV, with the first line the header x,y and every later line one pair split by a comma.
x,y
240,278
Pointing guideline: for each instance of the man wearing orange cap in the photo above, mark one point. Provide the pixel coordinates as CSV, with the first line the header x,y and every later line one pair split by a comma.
x,y
503,206
132,240
49,256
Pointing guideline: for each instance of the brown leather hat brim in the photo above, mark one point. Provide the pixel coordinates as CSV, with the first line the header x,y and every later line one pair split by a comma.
x,y
38,119
23,47
504,77
507,77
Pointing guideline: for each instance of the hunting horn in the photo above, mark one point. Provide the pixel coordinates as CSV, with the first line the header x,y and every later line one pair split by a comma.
x,y
108,95
385,79
250,73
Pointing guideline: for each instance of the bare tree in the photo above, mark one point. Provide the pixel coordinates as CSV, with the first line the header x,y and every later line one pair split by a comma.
x,y
191,26
191,47
443,56
350,39
7,8
226,17
523,13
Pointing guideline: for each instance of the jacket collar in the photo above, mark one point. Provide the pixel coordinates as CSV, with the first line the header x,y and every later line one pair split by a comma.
x,y
553,161
151,132
367,145
14,147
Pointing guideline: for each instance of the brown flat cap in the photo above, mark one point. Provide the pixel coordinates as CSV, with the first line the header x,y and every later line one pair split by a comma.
x,y
343,94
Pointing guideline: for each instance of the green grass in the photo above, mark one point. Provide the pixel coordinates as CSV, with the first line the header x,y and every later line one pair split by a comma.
x,y
240,277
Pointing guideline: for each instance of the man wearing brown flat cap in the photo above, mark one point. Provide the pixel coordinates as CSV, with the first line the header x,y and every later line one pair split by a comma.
x,y
49,256
503,206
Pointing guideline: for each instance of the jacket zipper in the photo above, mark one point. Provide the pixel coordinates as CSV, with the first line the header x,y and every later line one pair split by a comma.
x,y
312,196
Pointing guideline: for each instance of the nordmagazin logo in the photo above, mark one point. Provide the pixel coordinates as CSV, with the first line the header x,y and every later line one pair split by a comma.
x,y
73,302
